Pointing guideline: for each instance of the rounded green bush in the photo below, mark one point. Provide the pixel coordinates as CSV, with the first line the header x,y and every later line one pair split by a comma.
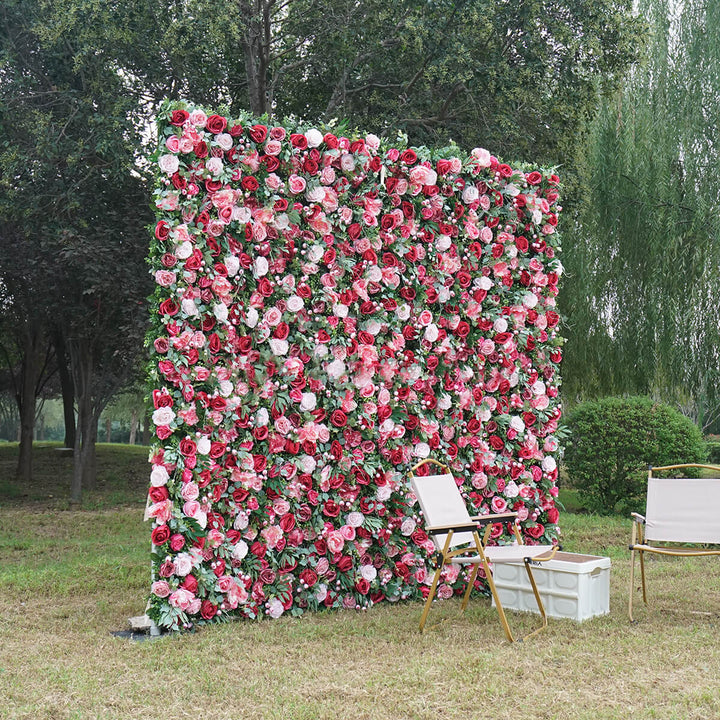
x,y
612,443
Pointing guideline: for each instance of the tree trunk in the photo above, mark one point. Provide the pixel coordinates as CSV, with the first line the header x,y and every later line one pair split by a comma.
x,y
133,427
67,388
80,446
108,430
90,454
146,430
31,369
82,364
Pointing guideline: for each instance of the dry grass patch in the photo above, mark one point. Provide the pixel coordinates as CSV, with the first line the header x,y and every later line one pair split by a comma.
x,y
69,578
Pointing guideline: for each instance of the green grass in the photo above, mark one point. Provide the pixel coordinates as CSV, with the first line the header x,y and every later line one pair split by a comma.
x,y
71,577
122,477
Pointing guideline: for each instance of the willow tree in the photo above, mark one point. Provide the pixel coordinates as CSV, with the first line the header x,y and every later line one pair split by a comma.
x,y
643,286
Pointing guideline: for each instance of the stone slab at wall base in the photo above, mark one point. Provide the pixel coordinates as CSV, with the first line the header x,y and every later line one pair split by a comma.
x,y
571,586
142,623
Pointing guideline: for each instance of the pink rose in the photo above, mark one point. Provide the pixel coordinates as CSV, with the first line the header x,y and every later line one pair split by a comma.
x,y
161,588
296,184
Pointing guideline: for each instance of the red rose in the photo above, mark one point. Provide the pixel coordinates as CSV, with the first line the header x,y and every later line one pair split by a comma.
x,y
162,230
362,586
308,577
168,307
187,447
338,418
496,442
158,494
344,564
463,329
216,124
258,133
331,508
533,178
160,535
250,184
298,141
178,117
190,583
281,331
536,531
208,610
409,157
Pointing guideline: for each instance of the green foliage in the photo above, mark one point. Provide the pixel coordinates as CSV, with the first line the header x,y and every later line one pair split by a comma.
x,y
713,446
643,281
614,440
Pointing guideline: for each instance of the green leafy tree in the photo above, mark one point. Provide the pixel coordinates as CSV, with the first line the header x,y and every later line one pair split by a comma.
x,y
643,283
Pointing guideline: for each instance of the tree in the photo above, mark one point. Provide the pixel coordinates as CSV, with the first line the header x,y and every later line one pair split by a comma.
x,y
643,286
76,207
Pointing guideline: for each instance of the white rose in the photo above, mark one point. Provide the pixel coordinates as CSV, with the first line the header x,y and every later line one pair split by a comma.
x,y
232,263
220,311
422,450
368,572
184,250
224,140
549,464
408,527
169,164
295,303
403,311
335,369
530,300
159,476
279,347
443,242
431,332
214,165
314,138
260,266
470,194
226,388
308,401
189,307
252,317
262,417
203,445
163,416
240,550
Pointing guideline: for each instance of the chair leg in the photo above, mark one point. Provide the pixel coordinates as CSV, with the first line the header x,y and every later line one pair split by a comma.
x,y
642,575
498,604
468,590
538,600
430,597
632,584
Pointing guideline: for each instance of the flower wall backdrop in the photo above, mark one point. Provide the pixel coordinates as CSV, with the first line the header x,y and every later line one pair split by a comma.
x,y
328,311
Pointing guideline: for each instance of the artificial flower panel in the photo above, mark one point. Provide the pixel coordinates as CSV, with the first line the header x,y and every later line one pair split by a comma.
x,y
328,311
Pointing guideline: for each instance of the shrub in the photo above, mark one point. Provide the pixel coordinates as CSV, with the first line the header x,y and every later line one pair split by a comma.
x,y
614,440
713,445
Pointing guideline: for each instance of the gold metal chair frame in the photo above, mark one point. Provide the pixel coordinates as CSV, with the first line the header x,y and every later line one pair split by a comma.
x,y
475,554
638,543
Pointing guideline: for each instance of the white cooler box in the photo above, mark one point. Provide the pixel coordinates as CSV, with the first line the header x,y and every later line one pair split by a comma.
x,y
571,586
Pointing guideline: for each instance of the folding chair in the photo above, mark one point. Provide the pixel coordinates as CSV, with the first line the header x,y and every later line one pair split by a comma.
x,y
456,536
680,512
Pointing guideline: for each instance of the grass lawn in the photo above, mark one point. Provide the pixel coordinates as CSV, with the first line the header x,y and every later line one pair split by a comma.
x,y
71,577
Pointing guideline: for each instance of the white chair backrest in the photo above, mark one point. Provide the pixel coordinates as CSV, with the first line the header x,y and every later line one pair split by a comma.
x,y
683,510
442,504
